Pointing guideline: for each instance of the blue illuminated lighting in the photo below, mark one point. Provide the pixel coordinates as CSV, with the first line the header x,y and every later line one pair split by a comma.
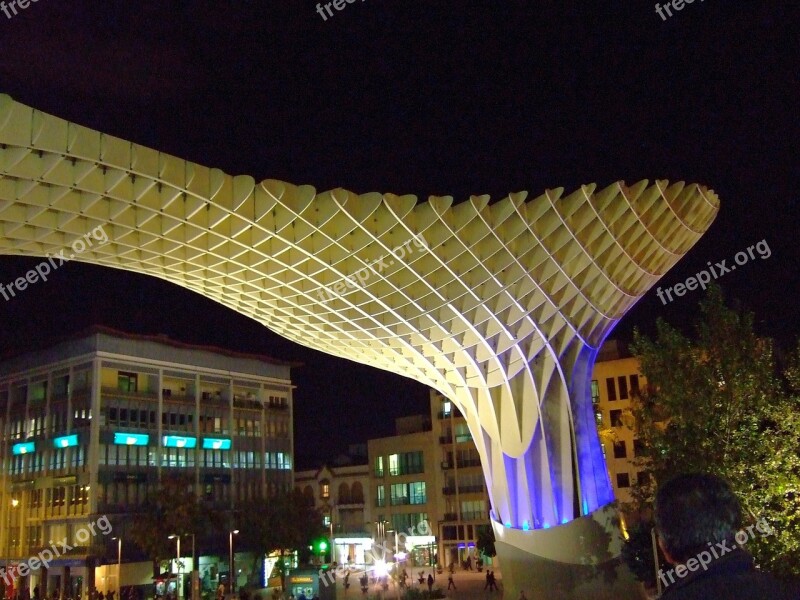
x,y
179,441
564,521
216,444
131,439
585,508
526,526
546,525
65,441
508,525
462,546
23,448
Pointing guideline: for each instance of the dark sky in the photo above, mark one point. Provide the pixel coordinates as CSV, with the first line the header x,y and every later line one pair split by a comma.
x,y
443,97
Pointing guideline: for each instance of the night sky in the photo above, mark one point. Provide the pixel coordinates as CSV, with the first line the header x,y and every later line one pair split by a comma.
x,y
444,98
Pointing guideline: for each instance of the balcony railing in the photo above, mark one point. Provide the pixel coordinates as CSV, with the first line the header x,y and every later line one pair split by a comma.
x,y
469,489
475,516
112,391
451,516
471,462
449,491
446,439
446,465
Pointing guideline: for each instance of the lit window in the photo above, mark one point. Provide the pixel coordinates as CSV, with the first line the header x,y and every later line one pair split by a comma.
x,y
446,408
326,520
394,464
325,490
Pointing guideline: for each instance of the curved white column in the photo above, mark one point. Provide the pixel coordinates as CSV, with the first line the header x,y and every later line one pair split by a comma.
x,y
501,307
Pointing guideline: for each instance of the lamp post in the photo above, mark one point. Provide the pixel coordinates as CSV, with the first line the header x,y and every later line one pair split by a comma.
x,y
119,566
231,565
175,536
195,571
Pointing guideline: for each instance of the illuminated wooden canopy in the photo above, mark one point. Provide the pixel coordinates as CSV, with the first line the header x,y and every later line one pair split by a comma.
x,y
500,306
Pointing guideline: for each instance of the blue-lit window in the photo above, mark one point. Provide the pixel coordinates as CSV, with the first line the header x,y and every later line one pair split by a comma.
x,y
416,492
216,444
66,441
179,441
23,448
131,439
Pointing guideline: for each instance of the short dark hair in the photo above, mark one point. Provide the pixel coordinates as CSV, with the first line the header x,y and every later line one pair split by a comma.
x,y
694,509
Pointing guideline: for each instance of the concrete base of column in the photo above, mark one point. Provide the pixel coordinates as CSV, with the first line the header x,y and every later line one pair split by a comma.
x,y
579,560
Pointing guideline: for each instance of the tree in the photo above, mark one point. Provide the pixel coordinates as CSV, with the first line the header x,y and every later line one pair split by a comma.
x,y
717,404
284,522
485,541
172,509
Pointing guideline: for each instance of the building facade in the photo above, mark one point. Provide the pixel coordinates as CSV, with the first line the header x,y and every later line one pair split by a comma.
x,y
91,426
340,494
616,380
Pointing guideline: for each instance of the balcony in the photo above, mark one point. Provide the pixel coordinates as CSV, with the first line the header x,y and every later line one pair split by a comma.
x,y
247,403
446,465
449,490
446,439
471,462
450,516
471,489
116,392
475,516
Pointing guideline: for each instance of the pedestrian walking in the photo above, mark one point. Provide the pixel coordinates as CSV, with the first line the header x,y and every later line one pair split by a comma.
x,y
488,580
430,582
450,582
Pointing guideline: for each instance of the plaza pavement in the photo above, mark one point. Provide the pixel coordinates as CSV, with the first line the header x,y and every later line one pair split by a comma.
x,y
469,586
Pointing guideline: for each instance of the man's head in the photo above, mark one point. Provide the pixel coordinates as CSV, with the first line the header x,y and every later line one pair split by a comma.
x,y
691,511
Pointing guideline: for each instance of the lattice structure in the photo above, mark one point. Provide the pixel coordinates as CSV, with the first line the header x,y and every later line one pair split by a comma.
x,y
501,306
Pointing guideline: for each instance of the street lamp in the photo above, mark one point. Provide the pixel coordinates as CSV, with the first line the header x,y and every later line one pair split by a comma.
x,y
119,566
175,536
195,571
231,566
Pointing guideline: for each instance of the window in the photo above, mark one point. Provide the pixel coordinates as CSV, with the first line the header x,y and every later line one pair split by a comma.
x,y
394,464
379,466
326,520
411,463
324,489
126,381
462,433
399,493
612,389
623,480
623,387
638,447
616,418
620,451
595,392
634,385
416,492
380,498
446,408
